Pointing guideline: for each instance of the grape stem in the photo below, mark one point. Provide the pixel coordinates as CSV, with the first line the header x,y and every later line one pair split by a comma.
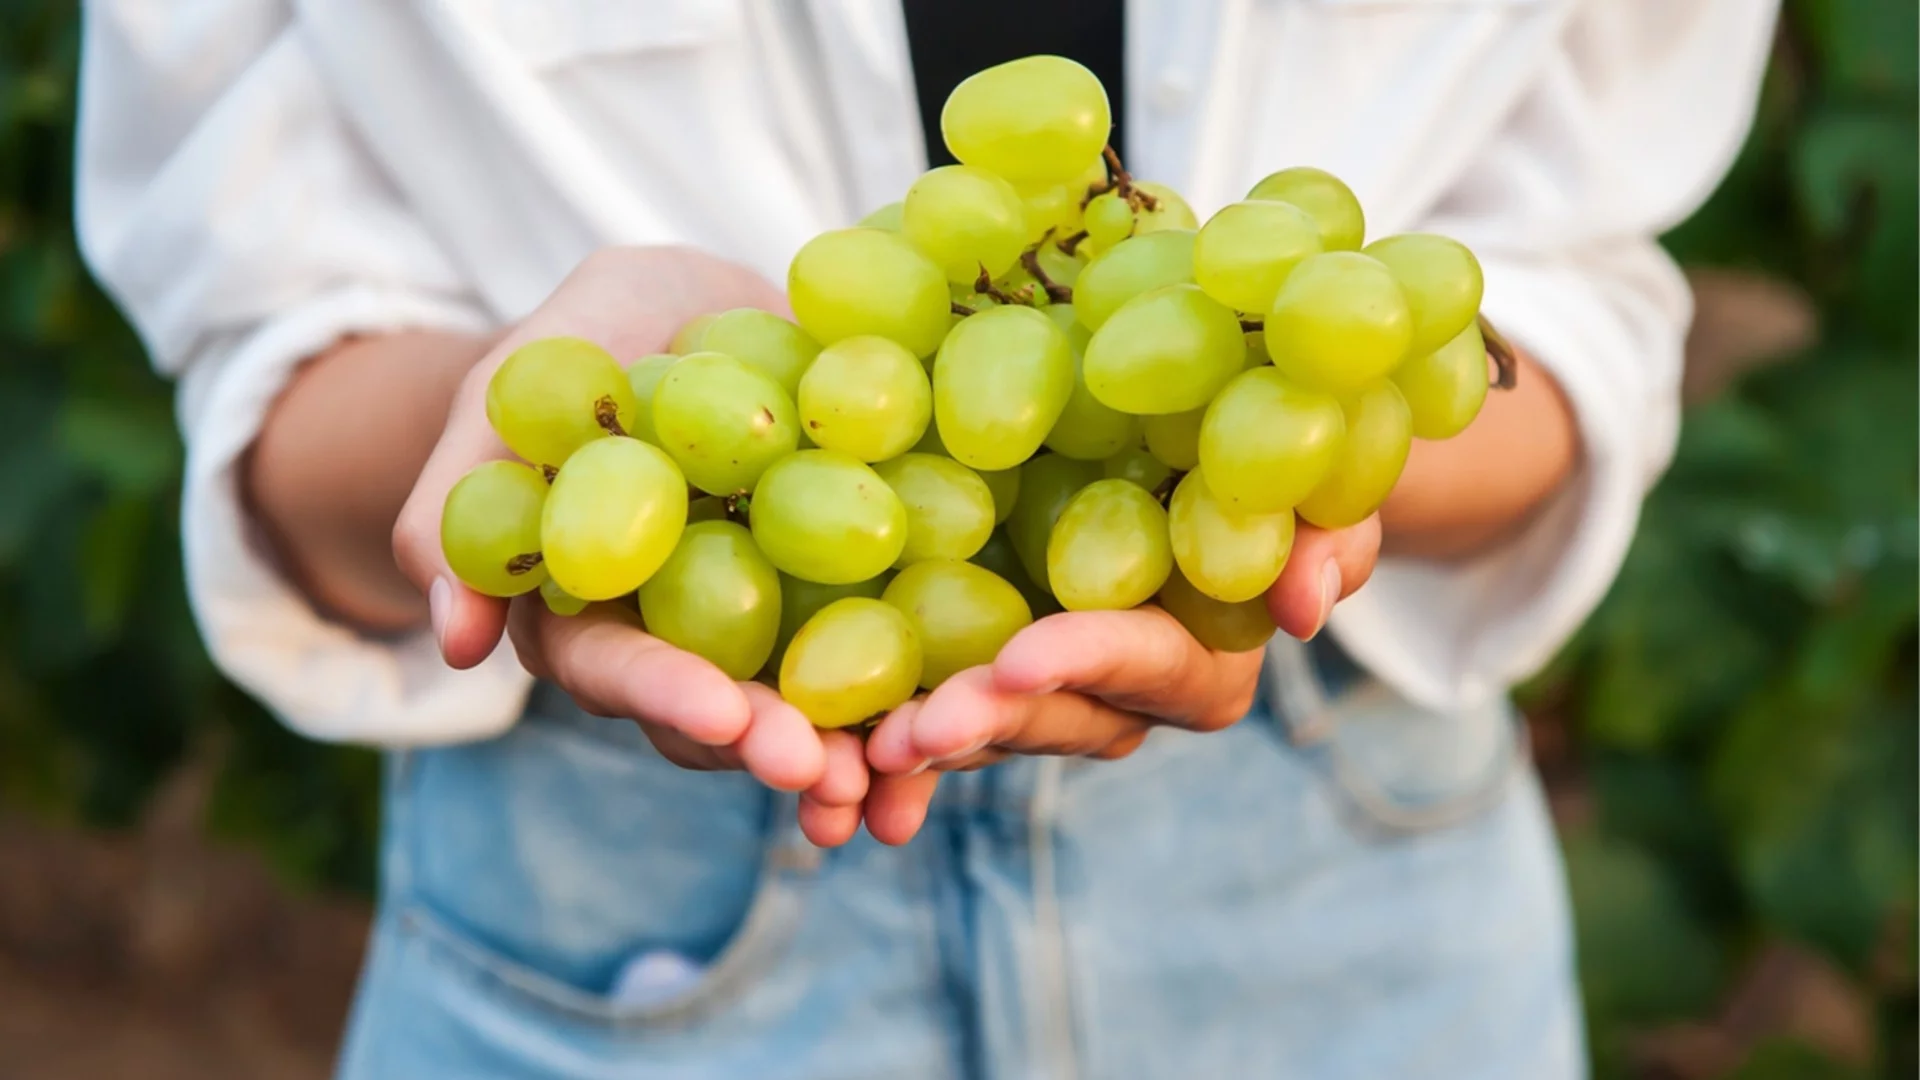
x,y
549,472
521,564
1251,326
1123,182
1068,243
737,508
984,286
1163,493
1030,259
959,308
607,415
1506,361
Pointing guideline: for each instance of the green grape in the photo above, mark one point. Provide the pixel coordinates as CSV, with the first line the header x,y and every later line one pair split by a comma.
x,y
1174,438
867,397
1047,483
1109,551
1000,381
965,220
1004,484
999,557
706,508
560,601
490,528
1130,268
1245,252
1024,288
856,659
1379,432
716,597
1086,429
1137,466
1267,441
1051,210
949,507
687,338
1037,120
1442,283
1108,219
1060,267
613,515
723,422
801,599
644,376
763,340
964,296
1257,349
1230,557
553,396
1241,627
1170,211
827,517
867,281
961,613
1323,196
887,217
1445,388
1339,323
1166,351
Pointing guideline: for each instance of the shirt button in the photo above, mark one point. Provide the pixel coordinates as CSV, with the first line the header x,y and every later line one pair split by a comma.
x,y
1172,91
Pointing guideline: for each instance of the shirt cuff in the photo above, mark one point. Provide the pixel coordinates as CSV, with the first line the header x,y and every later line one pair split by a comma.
x,y
323,679
1451,636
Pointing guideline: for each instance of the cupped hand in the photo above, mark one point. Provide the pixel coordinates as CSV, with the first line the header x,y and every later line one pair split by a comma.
x,y
630,301
1091,684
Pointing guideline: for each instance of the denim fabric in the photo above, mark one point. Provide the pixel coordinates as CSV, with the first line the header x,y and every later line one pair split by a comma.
x,y
1338,887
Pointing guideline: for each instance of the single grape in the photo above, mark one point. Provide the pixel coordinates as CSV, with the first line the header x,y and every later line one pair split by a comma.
x,y
1108,219
644,376
1130,268
1051,210
801,599
1245,252
1267,441
1046,484
1379,432
999,557
1170,210
965,220
1136,465
716,597
1445,388
1001,380
1036,120
1005,487
1324,196
856,659
1109,550
827,517
687,338
1174,438
886,217
961,613
868,281
1086,429
949,508
763,340
553,396
1166,351
1441,281
1241,627
560,601
866,396
1339,323
490,528
1230,557
723,422
613,515
1060,267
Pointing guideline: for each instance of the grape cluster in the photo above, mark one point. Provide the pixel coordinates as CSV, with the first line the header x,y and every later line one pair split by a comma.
x,y
1033,384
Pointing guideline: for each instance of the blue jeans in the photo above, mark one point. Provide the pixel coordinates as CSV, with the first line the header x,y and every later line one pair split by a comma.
x,y
1337,887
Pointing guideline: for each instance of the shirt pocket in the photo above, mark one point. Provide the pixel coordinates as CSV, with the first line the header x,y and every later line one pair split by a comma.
x,y
552,33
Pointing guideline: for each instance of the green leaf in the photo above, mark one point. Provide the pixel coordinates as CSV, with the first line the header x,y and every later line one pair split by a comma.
x,y
1644,956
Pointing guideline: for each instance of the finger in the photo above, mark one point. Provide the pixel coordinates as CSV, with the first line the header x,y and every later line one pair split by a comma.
x,y
828,826
845,780
615,669
688,754
1324,568
968,714
896,808
1138,661
780,748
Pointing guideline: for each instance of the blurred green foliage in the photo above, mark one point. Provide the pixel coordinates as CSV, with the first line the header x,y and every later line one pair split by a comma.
x,y
1745,698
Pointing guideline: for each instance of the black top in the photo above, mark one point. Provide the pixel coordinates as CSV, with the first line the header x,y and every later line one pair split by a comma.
x,y
952,39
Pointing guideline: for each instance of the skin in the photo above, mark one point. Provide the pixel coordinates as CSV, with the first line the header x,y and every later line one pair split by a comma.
x,y
353,510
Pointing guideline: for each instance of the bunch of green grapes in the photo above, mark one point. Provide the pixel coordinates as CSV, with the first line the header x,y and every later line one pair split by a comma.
x,y
1034,384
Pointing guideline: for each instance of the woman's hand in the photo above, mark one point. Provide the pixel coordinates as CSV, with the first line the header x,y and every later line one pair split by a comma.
x,y
631,301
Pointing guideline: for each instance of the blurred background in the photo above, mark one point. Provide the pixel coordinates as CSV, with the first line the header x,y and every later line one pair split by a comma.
x,y
1730,743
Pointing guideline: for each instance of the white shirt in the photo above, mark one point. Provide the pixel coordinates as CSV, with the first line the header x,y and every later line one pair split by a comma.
x,y
260,177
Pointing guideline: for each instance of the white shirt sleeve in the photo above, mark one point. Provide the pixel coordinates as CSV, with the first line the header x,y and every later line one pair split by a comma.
x,y
1629,127
242,228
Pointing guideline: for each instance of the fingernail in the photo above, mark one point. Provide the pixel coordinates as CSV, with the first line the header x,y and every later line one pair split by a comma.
x,y
439,607
1329,595
925,764
1045,688
962,755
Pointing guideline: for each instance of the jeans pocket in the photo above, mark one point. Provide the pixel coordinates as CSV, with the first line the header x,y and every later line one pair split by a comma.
x,y
544,864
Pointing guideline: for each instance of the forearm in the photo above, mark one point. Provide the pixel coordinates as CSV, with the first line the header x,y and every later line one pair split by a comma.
x,y
1458,496
336,458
